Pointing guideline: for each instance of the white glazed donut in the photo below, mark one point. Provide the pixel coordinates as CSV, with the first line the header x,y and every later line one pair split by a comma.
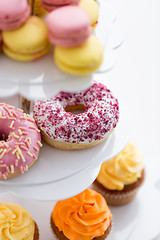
x,y
62,129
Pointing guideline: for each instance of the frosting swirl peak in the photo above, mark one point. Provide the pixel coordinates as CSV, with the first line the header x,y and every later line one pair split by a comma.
x,y
124,169
16,223
84,216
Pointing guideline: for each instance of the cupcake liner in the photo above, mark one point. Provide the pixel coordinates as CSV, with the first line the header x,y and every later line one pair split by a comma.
x,y
36,232
109,237
62,237
116,199
121,197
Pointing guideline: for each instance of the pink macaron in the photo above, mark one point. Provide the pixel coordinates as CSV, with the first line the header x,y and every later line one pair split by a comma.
x,y
68,26
13,13
50,5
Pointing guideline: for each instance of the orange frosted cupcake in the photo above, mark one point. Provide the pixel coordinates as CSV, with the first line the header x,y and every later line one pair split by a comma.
x,y
16,223
85,216
120,177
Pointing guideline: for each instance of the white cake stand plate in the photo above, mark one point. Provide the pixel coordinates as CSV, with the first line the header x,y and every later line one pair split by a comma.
x,y
60,173
43,79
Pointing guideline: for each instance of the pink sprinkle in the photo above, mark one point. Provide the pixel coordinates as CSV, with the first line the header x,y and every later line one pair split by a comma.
x,y
4,176
15,114
31,120
32,127
3,165
8,150
20,139
35,148
22,128
24,133
16,162
20,143
24,148
22,169
11,118
34,155
28,145
26,139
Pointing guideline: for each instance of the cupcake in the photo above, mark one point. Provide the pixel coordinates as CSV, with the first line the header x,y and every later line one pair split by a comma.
x,y
85,216
120,177
16,223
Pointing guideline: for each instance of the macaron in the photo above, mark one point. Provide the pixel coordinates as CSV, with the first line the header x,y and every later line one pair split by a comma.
x,y
91,7
13,13
68,26
27,43
50,5
80,60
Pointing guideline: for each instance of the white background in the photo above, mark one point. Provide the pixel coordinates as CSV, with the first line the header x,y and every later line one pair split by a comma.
x,y
136,80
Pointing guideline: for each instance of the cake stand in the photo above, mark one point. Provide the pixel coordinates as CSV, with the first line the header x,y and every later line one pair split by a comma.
x,y
59,174
128,220
42,78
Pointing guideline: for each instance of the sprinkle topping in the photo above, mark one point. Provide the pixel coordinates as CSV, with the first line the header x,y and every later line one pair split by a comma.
x,y
100,117
19,145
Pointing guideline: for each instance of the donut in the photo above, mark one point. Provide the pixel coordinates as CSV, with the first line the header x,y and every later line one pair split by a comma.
x,y
62,129
20,141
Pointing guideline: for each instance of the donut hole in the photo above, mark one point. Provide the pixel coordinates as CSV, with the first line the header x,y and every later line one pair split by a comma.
x,y
3,136
76,109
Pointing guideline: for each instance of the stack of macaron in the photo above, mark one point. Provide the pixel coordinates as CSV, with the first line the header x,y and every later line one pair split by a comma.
x,y
50,5
13,13
77,51
28,42
91,7
70,25
24,37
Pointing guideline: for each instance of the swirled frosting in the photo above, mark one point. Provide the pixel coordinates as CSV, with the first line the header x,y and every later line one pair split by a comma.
x,y
16,223
84,216
124,169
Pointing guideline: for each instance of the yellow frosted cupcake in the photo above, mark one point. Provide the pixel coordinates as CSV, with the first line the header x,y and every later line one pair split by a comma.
x,y
16,223
85,216
120,177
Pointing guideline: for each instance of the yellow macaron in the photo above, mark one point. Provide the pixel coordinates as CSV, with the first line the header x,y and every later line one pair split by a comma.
x,y
91,7
28,42
80,60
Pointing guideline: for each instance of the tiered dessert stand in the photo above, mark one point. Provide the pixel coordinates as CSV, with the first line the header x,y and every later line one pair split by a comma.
x,y
60,174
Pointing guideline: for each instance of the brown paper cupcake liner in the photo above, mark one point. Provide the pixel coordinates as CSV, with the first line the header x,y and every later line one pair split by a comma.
x,y
36,232
59,235
115,197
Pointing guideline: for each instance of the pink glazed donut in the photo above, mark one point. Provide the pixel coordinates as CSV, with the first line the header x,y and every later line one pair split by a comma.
x,y
62,129
20,141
